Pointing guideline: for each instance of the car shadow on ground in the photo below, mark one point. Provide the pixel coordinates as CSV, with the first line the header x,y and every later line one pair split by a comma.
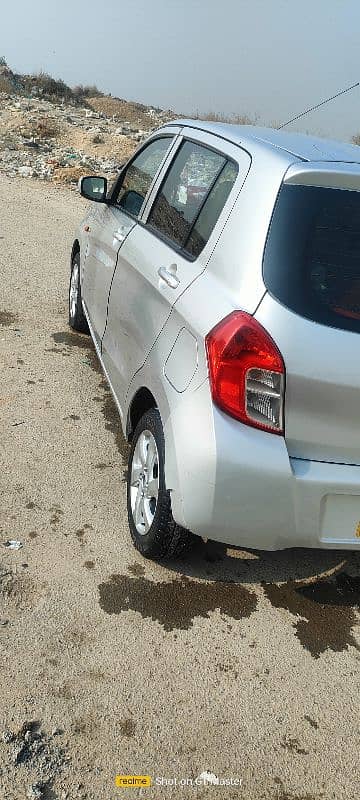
x,y
214,561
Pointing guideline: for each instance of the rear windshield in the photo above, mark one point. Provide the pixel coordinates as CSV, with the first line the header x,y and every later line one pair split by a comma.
x,y
312,254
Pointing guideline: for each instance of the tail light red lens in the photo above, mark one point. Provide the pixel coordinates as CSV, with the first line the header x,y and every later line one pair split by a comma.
x,y
247,373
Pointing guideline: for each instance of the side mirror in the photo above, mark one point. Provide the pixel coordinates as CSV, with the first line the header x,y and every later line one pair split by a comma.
x,y
93,188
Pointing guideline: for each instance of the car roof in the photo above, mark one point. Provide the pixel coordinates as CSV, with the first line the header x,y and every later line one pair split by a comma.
x,y
307,148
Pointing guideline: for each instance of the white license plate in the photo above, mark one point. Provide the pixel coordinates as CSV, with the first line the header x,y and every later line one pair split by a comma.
x,y
340,519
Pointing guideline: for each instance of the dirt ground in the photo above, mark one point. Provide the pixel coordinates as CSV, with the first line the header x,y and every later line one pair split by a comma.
x,y
241,664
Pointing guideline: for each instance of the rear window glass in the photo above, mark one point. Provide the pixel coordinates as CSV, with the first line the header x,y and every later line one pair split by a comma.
x,y
312,254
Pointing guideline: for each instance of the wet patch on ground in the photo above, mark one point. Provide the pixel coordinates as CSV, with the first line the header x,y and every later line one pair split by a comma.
x,y
69,340
127,727
72,339
56,514
175,604
80,533
311,721
112,421
97,675
282,794
286,796
293,745
229,667
8,318
19,591
136,569
58,350
326,608
88,725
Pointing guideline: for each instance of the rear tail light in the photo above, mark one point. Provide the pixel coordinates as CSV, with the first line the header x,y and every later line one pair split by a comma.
x,y
247,373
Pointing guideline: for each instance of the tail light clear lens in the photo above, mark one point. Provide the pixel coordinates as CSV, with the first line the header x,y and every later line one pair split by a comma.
x,y
247,373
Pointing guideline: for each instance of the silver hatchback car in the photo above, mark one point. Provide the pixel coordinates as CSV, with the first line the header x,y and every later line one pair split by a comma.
x,y
220,280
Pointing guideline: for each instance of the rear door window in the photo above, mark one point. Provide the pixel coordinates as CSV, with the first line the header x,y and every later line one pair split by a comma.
x,y
192,196
312,254
211,210
140,174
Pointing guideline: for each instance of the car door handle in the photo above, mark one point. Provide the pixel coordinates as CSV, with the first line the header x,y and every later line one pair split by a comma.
x,y
169,277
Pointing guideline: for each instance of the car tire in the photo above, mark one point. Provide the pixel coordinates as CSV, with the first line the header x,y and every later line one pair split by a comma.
x,y
152,527
77,319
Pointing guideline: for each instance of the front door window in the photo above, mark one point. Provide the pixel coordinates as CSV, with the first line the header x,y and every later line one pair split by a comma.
x,y
140,174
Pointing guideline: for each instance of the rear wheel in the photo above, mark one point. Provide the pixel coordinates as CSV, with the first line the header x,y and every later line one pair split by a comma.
x,y
153,530
77,319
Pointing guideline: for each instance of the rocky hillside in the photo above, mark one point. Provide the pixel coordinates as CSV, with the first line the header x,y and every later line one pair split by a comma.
x,y
51,132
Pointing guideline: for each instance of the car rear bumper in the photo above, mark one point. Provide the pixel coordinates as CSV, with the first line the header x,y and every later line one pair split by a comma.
x,y
235,484
327,503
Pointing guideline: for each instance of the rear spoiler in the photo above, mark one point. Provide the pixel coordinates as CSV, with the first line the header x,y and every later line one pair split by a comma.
x,y
327,174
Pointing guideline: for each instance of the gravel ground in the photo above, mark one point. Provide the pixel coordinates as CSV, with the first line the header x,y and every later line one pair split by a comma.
x,y
242,664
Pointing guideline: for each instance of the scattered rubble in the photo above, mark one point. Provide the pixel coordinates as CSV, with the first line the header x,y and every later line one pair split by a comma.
x,y
36,790
36,751
13,544
8,736
61,141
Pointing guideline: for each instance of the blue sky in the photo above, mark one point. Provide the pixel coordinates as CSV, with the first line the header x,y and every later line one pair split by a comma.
x,y
265,58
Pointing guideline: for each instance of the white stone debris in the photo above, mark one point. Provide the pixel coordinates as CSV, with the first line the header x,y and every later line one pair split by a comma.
x,y
34,148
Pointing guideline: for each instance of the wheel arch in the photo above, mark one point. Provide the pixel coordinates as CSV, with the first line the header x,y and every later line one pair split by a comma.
x,y
142,401
149,391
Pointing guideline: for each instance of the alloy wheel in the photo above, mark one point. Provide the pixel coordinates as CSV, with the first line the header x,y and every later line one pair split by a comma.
x,y
74,290
144,482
